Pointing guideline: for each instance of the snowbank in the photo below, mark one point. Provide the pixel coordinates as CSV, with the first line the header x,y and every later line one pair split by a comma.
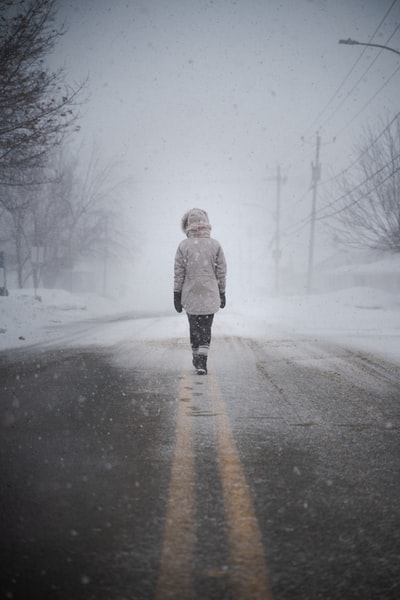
x,y
363,318
25,319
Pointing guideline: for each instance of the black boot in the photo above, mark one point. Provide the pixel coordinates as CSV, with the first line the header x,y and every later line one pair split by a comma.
x,y
201,367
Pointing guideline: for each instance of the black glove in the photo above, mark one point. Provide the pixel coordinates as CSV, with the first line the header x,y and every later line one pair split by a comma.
x,y
178,301
223,299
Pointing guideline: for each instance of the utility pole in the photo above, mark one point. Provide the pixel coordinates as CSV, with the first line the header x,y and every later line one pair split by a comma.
x,y
316,175
277,253
105,259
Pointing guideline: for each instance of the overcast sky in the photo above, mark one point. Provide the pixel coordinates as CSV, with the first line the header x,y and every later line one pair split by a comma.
x,y
202,99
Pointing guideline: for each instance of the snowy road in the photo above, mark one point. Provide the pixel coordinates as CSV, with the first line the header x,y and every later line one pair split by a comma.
x,y
126,476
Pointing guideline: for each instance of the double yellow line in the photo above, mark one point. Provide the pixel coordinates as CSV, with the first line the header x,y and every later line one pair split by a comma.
x,y
175,574
247,565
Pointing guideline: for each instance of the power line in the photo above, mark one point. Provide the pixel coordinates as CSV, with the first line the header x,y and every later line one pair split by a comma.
x,y
313,215
360,79
306,220
369,101
340,86
300,225
354,87
374,188
335,177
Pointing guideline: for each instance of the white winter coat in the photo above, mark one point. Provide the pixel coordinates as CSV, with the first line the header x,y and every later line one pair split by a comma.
x,y
200,266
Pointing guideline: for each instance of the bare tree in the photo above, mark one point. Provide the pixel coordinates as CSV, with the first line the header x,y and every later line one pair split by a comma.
x,y
37,111
37,107
366,213
73,214
15,200
91,193
49,203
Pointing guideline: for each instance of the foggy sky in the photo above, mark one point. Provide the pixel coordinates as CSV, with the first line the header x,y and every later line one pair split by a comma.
x,y
202,99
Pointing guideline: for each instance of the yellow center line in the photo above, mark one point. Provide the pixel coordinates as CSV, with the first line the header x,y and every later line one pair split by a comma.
x,y
248,570
175,573
248,565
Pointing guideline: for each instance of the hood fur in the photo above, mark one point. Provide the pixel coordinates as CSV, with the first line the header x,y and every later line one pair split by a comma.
x,y
195,220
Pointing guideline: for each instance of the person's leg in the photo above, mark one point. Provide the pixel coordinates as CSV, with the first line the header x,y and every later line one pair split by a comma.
x,y
200,339
194,335
204,324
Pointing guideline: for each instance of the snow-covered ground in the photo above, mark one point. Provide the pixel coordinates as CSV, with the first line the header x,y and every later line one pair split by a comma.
x,y
361,318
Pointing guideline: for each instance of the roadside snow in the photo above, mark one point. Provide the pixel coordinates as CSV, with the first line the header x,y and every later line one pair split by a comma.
x,y
362,318
26,320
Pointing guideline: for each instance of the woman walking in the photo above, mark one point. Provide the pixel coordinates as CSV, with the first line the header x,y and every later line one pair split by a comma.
x,y
199,282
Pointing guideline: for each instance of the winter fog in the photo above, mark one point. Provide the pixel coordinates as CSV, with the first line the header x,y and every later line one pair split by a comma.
x,y
198,103
221,105
249,110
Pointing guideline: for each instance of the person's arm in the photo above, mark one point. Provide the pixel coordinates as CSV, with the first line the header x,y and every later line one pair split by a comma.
x,y
220,273
179,278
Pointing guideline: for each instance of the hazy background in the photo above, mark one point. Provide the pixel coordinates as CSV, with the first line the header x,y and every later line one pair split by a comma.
x,y
200,100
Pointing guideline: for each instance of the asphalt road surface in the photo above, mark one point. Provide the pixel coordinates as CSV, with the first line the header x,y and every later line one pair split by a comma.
x,y
125,476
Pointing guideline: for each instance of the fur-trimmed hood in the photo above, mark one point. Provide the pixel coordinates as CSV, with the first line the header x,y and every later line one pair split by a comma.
x,y
195,223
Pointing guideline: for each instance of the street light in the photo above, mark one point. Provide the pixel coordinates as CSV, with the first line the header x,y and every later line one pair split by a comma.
x,y
351,42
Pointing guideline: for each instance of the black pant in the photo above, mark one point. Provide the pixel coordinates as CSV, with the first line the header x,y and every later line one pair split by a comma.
x,y
200,333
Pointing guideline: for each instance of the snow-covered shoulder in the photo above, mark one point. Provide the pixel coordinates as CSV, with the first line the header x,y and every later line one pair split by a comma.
x,y
26,318
363,318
